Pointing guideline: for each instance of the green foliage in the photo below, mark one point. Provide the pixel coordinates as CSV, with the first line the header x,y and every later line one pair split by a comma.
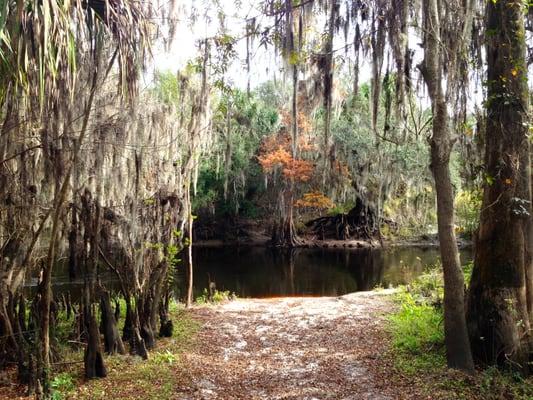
x,y
130,376
218,297
417,333
167,88
249,209
272,94
416,328
467,271
250,119
61,331
413,365
341,208
385,161
497,384
428,289
172,256
62,385
164,357
467,208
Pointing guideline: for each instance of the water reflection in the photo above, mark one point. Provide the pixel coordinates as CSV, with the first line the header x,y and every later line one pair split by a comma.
x,y
266,272
269,272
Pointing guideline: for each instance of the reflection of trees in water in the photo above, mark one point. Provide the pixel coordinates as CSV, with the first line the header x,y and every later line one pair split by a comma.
x,y
260,272
331,272
287,260
274,272
402,265
368,268
263,272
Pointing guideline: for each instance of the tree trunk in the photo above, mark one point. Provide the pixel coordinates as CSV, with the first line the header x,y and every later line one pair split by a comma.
x,y
127,331
229,149
144,307
137,345
458,353
112,340
284,233
328,88
500,292
8,342
189,253
45,287
93,359
166,326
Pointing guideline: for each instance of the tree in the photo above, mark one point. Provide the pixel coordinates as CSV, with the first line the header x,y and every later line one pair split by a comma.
x,y
51,54
276,159
501,290
435,25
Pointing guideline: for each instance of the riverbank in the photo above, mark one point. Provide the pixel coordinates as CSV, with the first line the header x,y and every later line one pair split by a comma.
x,y
424,241
303,243
244,232
366,345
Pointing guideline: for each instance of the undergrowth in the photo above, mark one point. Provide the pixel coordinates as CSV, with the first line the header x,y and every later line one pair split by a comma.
x,y
217,297
418,351
130,377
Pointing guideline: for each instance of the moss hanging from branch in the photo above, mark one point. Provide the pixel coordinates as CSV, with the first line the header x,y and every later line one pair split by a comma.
x,y
378,36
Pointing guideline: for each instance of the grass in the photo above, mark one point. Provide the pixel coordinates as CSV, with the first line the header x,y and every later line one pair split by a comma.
x,y
417,328
130,377
418,351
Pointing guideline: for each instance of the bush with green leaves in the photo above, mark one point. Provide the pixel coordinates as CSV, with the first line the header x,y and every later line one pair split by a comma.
x,y
62,385
417,327
217,297
164,357
428,288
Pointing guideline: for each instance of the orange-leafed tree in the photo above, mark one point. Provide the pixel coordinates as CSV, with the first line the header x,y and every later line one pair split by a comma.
x,y
315,200
278,162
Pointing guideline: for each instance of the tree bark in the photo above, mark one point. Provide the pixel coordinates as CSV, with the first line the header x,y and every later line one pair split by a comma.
x,y
458,353
189,253
127,331
112,340
137,345
500,296
93,359
144,307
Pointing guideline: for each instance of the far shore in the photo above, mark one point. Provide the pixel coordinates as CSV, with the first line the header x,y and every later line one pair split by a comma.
x,y
421,242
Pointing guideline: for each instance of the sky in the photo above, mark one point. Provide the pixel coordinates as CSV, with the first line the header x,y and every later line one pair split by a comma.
x,y
184,45
264,64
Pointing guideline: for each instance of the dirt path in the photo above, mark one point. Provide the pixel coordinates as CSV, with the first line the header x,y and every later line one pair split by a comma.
x,y
289,348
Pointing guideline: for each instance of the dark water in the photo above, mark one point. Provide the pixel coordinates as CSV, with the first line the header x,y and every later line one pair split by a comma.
x,y
268,272
265,272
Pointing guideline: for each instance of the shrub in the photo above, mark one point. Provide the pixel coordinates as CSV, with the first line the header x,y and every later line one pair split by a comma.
x,y
218,297
164,357
62,385
428,288
416,328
